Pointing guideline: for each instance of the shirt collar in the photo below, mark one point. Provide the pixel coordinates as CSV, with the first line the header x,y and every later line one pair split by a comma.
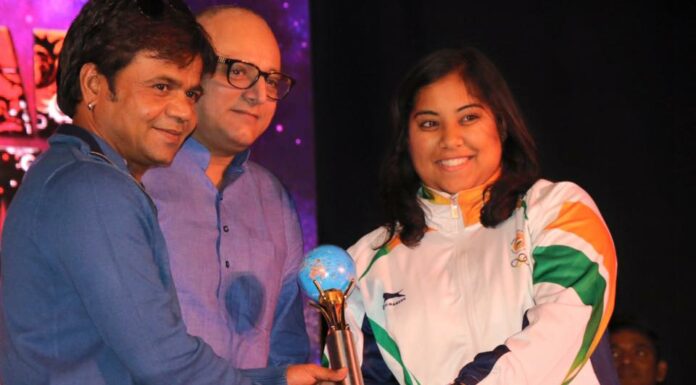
x,y
200,155
78,137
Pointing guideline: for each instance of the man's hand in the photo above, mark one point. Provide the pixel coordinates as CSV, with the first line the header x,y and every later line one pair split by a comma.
x,y
309,374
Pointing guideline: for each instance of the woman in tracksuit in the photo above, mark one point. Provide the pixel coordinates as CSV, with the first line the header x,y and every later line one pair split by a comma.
x,y
483,273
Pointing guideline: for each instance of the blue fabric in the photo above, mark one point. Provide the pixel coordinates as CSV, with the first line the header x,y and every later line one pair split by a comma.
x,y
476,370
374,370
235,253
87,295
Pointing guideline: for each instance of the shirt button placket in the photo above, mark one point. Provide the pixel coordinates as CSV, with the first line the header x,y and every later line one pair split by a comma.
x,y
226,229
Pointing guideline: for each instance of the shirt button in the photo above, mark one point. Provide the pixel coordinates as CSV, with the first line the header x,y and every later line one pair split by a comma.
x,y
226,228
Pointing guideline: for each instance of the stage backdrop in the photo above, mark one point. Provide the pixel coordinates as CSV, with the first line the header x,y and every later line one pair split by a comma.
x,y
31,35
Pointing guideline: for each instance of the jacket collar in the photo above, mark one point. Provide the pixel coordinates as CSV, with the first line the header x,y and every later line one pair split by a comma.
x,y
465,204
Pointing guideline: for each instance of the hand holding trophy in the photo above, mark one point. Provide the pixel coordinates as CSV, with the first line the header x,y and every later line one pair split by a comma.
x,y
327,277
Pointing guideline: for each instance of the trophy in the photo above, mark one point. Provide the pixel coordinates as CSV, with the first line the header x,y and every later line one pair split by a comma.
x,y
327,276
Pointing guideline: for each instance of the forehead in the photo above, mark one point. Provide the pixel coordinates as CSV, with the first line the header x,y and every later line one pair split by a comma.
x,y
146,65
447,91
242,35
630,338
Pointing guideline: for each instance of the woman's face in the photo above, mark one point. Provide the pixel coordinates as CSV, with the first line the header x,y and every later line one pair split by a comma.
x,y
453,137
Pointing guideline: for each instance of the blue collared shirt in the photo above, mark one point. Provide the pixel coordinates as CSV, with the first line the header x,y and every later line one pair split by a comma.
x,y
87,295
235,252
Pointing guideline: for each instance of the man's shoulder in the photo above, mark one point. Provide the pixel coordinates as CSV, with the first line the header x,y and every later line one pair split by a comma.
x,y
262,175
65,176
70,168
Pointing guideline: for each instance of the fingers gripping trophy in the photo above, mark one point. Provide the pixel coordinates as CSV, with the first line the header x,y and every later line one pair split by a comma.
x,y
327,277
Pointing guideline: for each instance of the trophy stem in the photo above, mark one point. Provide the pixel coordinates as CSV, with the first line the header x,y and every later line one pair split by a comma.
x,y
339,343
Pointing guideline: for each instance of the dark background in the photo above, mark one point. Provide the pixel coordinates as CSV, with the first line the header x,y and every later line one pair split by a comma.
x,y
606,88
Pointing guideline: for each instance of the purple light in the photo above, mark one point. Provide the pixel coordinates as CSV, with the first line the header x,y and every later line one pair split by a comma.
x,y
279,127
303,44
286,5
298,141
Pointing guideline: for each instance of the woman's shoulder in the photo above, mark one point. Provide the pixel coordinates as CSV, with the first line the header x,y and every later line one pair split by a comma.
x,y
547,200
368,244
545,192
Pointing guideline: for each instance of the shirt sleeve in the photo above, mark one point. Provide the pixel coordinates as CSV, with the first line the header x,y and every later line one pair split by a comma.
x,y
103,230
574,281
289,339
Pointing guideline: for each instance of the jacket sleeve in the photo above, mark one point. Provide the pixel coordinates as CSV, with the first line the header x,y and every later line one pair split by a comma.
x,y
374,368
104,233
574,281
289,339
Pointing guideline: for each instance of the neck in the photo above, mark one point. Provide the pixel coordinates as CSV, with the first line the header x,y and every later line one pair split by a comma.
x,y
216,168
84,120
136,171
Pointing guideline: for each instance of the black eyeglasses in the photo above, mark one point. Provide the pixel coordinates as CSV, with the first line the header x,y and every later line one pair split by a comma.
x,y
244,75
154,9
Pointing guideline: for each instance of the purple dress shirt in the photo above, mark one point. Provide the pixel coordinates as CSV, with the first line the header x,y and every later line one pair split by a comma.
x,y
234,255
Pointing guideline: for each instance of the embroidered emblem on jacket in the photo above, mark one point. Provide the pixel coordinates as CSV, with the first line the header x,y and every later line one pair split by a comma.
x,y
393,299
517,246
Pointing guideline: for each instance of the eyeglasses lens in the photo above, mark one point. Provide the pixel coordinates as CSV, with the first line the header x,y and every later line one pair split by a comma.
x,y
245,75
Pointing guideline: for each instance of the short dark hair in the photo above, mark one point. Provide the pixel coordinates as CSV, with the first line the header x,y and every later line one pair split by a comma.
x,y
520,167
639,327
109,33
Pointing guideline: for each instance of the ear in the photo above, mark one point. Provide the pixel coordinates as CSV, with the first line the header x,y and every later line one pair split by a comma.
x,y
91,82
661,371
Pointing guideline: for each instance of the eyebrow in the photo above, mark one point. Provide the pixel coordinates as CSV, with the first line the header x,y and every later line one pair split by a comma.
x,y
462,108
176,83
165,79
270,70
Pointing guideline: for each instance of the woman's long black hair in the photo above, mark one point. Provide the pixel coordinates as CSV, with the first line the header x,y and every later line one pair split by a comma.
x,y
519,169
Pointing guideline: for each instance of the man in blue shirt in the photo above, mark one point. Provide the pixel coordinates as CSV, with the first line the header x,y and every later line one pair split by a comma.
x,y
233,235
87,295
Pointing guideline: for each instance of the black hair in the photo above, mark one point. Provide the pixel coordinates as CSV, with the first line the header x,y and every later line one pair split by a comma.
x,y
638,327
519,164
109,33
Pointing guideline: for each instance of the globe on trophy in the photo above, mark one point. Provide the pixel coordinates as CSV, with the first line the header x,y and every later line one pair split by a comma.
x,y
327,276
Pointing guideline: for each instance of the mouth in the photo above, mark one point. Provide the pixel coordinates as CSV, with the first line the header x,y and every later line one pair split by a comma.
x,y
246,113
452,164
171,134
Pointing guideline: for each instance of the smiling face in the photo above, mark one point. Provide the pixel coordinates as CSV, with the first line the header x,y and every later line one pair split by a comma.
x,y
453,137
150,112
231,119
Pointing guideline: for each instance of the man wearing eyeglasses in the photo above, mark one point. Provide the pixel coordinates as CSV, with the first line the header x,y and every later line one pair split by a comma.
x,y
86,295
232,232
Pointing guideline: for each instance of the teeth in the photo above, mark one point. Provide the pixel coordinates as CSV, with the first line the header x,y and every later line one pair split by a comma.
x,y
453,162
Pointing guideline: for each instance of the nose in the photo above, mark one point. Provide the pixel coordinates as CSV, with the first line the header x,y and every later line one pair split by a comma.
x,y
621,358
450,136
182,109
257,93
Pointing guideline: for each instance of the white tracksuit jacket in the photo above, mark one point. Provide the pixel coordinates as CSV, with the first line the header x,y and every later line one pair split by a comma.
x,y
526,302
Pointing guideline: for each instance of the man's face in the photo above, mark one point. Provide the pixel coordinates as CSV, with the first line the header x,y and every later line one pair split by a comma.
x,y
151,110
635,358
231,119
